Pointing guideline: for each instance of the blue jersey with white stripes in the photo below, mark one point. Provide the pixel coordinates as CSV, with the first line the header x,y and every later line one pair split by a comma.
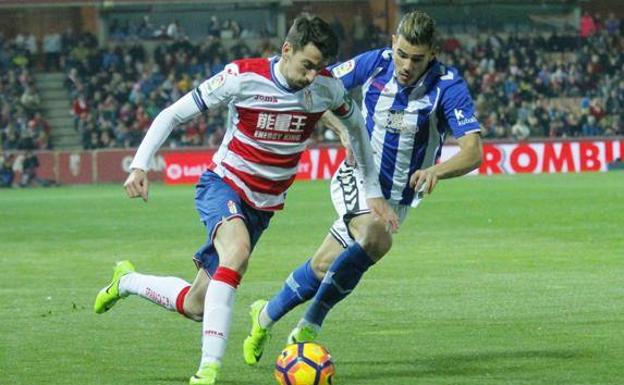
x,y
407,124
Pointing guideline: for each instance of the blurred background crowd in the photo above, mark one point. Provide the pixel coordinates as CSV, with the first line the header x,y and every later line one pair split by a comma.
x,y
525,83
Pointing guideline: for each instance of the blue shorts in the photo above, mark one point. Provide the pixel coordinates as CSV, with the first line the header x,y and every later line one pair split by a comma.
x,y
215,202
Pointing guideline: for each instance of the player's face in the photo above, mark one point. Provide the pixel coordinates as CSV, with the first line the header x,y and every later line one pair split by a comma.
x,y
301,67
410,61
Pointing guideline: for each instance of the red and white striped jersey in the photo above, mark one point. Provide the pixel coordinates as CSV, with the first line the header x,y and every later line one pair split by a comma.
x,y
268,128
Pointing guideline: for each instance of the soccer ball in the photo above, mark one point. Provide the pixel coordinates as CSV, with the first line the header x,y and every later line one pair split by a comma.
x,y
304,364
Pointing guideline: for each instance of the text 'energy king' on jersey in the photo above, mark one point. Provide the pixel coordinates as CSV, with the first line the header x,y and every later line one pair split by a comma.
x,y
407,124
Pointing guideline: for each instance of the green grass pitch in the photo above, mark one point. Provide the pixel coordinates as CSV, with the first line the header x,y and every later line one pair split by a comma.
x,y
493,280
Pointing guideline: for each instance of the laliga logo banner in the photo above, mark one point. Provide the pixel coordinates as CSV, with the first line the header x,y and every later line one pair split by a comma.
x,y
185,167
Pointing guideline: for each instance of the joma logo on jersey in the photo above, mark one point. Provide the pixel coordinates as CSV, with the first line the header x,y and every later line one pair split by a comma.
x,y
267,99
281,122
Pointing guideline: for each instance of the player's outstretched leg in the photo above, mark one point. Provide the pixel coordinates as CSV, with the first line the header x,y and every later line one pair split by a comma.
x,y
108,296
167,292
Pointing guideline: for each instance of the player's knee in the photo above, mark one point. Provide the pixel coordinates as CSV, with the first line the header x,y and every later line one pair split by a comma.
x,y
236,257
233,245
376,241
319,266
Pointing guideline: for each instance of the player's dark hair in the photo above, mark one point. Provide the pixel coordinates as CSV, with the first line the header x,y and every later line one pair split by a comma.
x,y
418,28
312,29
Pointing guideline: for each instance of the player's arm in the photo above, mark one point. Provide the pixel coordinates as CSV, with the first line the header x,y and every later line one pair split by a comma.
x,y
331,121
457,110
181,111
467,159
210,93
350,117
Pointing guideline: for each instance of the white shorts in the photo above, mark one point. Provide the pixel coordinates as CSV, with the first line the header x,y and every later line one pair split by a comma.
x,y
349,199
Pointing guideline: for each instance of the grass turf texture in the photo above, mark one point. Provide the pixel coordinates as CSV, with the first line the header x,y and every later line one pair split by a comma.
x,y
493,280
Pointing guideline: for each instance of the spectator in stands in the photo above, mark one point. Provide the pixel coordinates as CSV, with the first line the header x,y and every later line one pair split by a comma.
x,y
520,130
111,59
612,24
173,30
214,26
52,51
588,25
11,139
30,164
451,44
30,43
30,100
7,175
613,105
105,139
40,124
591,127
596,110
79,110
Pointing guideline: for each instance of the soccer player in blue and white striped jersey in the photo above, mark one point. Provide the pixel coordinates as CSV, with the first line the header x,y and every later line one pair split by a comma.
x,y
410,100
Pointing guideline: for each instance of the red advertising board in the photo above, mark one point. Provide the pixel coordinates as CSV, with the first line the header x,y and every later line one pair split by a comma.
x,y
184,166
320,163
75,167
546,157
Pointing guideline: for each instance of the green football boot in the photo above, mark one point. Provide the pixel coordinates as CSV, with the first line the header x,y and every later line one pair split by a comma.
x,y
206,375
254,344
108,296
302,334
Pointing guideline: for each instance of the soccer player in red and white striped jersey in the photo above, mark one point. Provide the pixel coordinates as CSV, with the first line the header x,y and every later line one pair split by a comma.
x,y
274,105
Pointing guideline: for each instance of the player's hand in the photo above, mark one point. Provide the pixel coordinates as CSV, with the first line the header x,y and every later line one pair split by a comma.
x,y
137,184
382,211
344,139
424,179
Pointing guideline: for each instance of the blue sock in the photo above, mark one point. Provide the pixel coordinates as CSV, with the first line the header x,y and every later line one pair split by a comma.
x,y
342,277
300,286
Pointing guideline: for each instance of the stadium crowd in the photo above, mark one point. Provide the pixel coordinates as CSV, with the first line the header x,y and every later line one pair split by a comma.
x,y
524,85
554,86
22,126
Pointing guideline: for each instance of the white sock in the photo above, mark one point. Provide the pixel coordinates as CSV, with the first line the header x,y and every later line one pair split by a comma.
x,y
218,307
264,320
163,291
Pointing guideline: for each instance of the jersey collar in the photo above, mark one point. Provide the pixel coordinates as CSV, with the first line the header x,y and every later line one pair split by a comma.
x,y
277,76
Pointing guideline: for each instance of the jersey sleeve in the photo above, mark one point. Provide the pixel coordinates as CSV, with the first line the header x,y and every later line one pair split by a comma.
x,y
348,112
355,72
458,109
218,89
